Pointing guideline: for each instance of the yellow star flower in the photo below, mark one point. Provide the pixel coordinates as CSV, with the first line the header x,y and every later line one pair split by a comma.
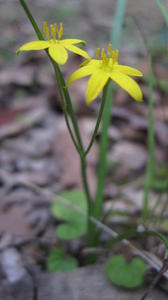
x,y
57,48
104,69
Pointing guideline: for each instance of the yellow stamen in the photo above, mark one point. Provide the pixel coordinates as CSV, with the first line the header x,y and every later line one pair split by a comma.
x,y
60,32
46,30
110,49
97,53
104,56
115,55
53,32
56,30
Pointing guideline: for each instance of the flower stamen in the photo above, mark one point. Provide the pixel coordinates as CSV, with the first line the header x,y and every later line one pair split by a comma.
x,y
60,32
115,55
97,53
104,56
53,32
46,30
57,48
56,29
110,50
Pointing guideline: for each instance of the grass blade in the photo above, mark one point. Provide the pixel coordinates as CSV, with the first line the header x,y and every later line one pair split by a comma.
x,y
151,146
162,10
115,37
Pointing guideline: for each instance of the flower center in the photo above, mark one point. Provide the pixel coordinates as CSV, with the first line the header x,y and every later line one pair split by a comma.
x,y
107,59
54,32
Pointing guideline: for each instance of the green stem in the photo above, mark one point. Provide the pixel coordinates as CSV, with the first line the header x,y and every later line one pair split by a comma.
x,y
162,10
65,95
96,126
61,85
88,197
107,95
64,110
115,37
85,182
71,112
151,147
32,20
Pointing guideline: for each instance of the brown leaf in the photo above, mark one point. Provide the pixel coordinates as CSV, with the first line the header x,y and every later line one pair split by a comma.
x,y
68,160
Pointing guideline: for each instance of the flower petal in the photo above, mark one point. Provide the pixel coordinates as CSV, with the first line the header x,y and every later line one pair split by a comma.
x,y
34,45
94,62
95,84
58,53
77,50
127,70
80,73
72,42
128,84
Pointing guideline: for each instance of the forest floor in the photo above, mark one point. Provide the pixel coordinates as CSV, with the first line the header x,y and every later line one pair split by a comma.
x,y
37,157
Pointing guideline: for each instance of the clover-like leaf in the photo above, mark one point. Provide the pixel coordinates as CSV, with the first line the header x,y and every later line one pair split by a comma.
x,y
75,223
71,230
59,261
125,274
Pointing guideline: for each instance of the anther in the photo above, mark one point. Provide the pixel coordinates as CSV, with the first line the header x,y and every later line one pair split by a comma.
x,y
60,32
56,27
53,32
115,55
46,30
97,52
103,56
110,49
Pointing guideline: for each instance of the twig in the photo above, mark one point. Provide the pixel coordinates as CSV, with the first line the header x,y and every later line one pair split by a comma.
x,y
156,279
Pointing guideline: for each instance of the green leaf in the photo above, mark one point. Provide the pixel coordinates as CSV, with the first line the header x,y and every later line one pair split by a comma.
x,y
75,222
71,230
116,32
59,261
162,10
125,274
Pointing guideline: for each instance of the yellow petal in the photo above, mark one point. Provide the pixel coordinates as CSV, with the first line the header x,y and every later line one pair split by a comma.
x,y
72,42
127,70
34,45
58,53
95,84
82,72
128,84
94,62
77,50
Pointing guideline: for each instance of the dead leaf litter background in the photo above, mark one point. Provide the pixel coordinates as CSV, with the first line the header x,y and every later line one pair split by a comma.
x,y
36,150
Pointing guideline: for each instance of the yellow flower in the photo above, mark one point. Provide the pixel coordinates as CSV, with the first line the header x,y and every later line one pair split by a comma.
x,y
103,69
57,48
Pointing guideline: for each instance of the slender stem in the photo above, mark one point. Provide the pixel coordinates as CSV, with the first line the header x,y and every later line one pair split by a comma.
x,y
151,147
61,85
96,126
71,111
32,20
65,96
85,182
88,197
107,94
64,111
115,37
116,31
162,10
